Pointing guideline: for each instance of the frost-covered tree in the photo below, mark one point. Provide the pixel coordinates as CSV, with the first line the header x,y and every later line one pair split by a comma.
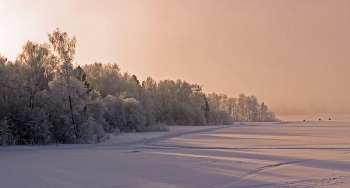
x,y
70,94
104,78
148,107
5,87
23,93
36,68
218,114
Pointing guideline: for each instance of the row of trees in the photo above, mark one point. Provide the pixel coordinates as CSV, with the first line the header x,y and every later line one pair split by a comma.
x,y
244,108
45,99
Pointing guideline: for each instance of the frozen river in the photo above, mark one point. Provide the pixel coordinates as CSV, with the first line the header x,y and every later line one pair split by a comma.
x,y
286,154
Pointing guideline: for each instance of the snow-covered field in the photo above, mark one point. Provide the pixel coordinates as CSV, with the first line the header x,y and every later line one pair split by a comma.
x,y
285,154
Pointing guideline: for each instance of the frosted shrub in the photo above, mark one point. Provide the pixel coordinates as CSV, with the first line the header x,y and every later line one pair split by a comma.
x,y
134,115
86,131
115,112
226,118
4,132
181,112
91,131
198,117
97,109
39,127
160,127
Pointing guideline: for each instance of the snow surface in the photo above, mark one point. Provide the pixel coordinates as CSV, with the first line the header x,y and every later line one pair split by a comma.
x,y
285,154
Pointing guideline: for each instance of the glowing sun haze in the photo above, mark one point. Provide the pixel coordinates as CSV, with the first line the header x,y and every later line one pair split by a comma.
x,y
294,55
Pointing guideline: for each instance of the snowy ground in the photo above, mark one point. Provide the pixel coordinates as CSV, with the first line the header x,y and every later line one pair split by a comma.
x,y
286,154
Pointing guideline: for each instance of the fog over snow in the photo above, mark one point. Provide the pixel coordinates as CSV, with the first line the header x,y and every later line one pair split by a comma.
x,y
283,154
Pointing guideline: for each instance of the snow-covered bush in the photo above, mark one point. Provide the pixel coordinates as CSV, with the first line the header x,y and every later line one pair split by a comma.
x,y
115,112
134,119
4,133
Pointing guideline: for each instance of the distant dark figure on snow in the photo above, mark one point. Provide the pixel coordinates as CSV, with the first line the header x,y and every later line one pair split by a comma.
x,y
319,119
304,120
329,119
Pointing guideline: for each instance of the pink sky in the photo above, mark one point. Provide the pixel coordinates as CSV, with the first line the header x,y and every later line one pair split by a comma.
x,y
294,55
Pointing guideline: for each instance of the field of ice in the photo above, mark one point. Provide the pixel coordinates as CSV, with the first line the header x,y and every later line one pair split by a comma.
x,y
284,154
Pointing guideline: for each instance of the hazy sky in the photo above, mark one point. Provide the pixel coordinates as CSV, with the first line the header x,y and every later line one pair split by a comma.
x,y
294,55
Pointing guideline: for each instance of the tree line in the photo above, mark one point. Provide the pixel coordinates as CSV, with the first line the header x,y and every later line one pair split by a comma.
x,y
44,99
